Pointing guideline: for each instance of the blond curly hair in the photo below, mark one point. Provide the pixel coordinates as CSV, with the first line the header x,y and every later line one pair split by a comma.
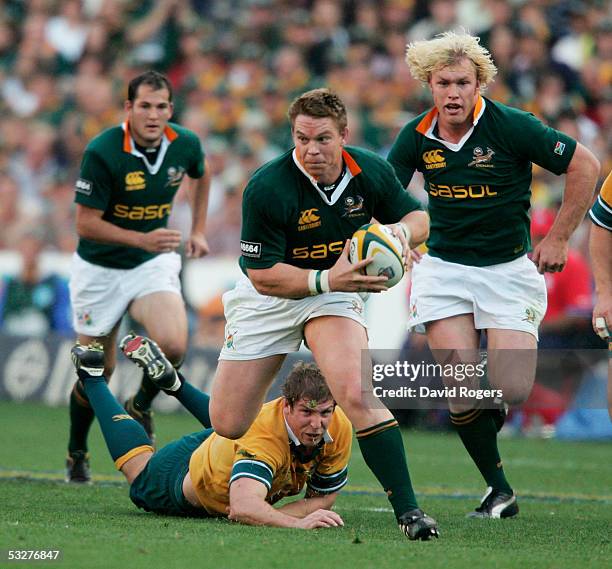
x,y
449,48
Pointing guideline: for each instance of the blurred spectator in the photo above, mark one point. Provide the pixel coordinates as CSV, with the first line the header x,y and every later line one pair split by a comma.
x,y
576,47
10,213
32,304
155,29
67,33
331,38
34,167
442,17
8,43
291,72
531,60
500,14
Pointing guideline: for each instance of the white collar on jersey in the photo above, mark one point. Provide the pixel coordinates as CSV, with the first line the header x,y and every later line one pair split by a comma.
x,y
327,438
129,145
348,176
427,126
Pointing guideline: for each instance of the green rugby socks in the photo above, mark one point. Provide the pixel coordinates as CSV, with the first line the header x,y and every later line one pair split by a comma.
x,y
383,450
478,433
124,437
194,400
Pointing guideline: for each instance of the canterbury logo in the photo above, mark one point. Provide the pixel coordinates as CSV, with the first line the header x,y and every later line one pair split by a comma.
x,y
135,180
433,157
121,418
308,216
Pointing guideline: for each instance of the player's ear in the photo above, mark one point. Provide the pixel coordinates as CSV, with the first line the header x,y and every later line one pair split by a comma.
x,y
344,134
127,105
171,107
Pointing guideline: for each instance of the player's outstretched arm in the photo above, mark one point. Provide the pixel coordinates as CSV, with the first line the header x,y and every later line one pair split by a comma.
x,y
90,225
198,192
287,281
551,253
248,506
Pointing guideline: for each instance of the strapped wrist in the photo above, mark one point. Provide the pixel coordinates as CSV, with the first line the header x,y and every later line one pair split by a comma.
x,y
318,282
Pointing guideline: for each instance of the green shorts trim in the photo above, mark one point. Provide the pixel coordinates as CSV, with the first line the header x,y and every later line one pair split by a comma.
x,y
159,487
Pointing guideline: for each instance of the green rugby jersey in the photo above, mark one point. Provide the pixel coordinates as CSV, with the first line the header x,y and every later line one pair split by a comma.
x,y
286,218
601,212
116,178
479,189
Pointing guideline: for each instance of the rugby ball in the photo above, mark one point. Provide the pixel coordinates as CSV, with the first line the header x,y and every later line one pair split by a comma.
x,y
377,241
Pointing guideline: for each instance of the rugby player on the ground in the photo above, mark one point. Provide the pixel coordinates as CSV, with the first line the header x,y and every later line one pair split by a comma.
x,y
298,440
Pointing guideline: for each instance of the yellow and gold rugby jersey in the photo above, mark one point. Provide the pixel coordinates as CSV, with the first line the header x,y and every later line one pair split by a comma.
x,y
479,188
601,212
264,454
133,194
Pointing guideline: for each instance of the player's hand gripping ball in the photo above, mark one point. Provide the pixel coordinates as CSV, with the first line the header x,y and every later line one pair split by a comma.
x,y
377,241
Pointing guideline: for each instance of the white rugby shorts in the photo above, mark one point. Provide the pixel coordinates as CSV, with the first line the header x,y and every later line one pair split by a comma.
x,y
258,326
509,296
100,296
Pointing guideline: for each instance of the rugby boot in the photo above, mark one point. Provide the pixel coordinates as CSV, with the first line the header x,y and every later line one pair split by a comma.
x,y
145,353
77,467
496,504
417,525
88,360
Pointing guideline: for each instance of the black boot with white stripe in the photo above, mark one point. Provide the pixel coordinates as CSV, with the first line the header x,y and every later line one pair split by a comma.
x,y
496,504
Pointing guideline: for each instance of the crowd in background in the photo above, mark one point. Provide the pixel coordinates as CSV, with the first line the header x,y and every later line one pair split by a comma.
x,y
235,66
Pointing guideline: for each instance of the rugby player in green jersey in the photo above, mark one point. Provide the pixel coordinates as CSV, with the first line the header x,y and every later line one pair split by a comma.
x,y
600,247
299,212
476,157
126,259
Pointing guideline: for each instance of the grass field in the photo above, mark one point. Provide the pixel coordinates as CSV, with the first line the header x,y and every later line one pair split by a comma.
x,y
565,495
